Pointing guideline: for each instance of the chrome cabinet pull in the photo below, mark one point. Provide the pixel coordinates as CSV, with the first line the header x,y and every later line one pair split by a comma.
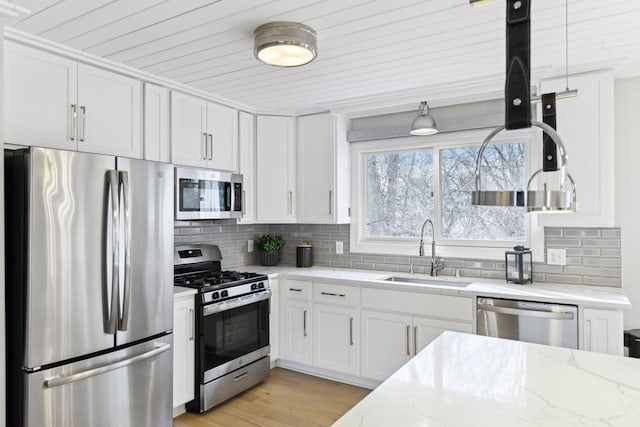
x,y
61,380
304,322
83,133
124,184
408,332
73,122
330,203
415,340
193,323
210,146
295,290
203,149
351,331
290,202
332,294
588,335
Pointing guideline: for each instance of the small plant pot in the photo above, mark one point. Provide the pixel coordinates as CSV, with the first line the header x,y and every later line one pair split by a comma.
x,y
270,258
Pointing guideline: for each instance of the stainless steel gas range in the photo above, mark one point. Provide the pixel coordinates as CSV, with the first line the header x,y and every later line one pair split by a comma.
x,y
232,325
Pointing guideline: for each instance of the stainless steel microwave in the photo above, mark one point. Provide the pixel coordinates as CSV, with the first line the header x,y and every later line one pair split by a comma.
x,y
207,194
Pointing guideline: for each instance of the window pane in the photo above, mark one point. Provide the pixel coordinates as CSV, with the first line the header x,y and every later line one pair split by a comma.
x,y
399,193
503,168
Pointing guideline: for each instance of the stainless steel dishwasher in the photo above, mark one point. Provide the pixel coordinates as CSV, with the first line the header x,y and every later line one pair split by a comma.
x,y
536,322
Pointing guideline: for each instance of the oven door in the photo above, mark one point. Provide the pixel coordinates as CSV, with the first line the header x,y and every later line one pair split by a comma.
x,y
234,334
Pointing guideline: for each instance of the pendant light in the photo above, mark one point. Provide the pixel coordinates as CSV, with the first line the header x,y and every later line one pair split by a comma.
x,y
285,44
424,123
517,116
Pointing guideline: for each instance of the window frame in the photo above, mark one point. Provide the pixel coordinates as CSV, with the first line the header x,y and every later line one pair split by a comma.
x,y
482,249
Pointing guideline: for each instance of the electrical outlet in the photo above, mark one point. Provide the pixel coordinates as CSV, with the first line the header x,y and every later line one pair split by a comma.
x,y
250,246
557,256
339,248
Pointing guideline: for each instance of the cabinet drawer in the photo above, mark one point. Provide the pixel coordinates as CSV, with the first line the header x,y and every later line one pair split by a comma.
x,y
335,294
447,306
300,289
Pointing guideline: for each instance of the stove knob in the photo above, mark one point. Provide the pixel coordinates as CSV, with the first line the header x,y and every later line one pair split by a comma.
x,y
215,295
225,294
254,286
261,285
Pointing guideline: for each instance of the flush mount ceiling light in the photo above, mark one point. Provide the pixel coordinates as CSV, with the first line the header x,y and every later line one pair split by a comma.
x,y
285,44
424,123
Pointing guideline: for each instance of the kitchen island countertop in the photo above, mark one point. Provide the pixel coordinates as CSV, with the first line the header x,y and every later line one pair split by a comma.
x,y
468,380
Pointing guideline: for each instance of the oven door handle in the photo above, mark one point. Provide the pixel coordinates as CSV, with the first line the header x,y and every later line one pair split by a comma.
x,y
210,309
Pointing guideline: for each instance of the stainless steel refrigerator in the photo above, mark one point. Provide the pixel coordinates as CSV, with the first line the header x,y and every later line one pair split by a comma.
x,y
89,290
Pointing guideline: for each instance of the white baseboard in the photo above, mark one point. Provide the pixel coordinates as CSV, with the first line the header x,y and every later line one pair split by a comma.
x,y
178,410
327,374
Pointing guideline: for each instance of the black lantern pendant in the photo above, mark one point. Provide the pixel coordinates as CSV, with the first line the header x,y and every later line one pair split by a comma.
x,y
518,265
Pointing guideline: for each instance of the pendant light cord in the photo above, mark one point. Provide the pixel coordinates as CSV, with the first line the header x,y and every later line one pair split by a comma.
x,y
566,42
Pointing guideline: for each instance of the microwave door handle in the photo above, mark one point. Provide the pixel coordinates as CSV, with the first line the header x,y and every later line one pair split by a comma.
x,y
227,199
112,315
124,184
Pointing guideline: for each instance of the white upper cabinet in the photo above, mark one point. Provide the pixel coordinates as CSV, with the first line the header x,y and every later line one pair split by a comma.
x,y
203,134
247,165
156,123
55,102
109,113
39,92
275,169
323,174
585,124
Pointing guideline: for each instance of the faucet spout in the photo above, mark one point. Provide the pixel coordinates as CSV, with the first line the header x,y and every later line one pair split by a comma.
x,y
436,263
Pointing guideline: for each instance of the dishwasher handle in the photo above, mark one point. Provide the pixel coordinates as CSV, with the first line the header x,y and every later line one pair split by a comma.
x,y
524,312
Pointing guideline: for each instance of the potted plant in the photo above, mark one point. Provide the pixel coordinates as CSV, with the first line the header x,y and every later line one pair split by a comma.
x,y
270,245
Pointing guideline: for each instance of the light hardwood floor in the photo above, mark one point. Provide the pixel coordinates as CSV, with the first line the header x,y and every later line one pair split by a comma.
x,y
286,398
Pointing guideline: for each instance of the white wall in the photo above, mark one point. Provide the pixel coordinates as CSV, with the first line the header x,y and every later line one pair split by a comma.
x,y
627,177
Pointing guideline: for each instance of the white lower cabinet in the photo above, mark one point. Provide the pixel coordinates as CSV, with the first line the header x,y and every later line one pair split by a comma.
x,y
295,316
335,343
426,330
183,349
602,331
385,343
274,323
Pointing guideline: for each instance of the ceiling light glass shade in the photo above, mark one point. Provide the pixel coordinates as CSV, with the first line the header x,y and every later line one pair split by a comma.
x,y
424,123
535,200
285,44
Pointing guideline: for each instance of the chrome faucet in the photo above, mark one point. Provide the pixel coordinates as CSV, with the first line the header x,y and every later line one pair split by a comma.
x,y
436,263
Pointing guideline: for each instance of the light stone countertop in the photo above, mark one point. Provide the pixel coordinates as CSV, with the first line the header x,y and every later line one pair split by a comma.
x,y
586,296
179,291
468,380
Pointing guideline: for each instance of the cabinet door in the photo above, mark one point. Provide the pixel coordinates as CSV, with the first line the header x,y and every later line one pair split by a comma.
x,y
316,165
222,127
40,91
585,124
275,169
183,350
156,123
109,113
335,341
426,330
603,331
274,322
386,343
296,329
188,130
247,165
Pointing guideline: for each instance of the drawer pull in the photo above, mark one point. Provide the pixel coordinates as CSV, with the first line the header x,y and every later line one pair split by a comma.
x,y
295,290
332,294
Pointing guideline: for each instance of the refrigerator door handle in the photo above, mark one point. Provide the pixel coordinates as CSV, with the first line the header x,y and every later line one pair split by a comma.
x,y
62,380
112,320
124,185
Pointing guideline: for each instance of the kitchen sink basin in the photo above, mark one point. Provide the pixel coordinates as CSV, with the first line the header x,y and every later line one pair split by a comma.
x,y
420,281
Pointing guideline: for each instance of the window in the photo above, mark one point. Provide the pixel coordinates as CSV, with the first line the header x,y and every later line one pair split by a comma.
x,y
400,183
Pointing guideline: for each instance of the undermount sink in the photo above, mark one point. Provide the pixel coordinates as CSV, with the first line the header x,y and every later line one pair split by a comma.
x,y
436,282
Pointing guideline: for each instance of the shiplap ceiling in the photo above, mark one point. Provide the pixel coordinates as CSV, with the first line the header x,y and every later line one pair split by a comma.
x,y
368,49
